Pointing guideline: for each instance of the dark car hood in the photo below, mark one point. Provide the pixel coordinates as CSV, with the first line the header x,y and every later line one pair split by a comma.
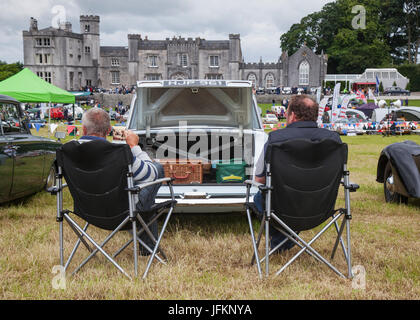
x,y
401,156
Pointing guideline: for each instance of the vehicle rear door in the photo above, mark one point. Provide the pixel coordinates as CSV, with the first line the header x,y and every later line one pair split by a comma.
x,y
6,161
27,153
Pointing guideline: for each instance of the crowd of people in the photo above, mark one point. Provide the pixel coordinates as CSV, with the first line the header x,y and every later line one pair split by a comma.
x,y
123,89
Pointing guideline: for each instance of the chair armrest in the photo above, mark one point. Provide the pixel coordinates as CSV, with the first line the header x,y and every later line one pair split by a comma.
x,y
253,183
55,189
262,187
151,183
352,187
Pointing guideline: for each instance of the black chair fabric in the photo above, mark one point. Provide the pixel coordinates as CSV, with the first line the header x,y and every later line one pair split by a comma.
x,y
96,174
306,177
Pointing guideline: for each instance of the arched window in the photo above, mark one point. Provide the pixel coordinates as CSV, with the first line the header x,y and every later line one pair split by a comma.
x,y
179,76
269,80
253,79
304,73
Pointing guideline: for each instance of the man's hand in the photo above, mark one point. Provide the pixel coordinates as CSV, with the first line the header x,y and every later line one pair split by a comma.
x,y
131,138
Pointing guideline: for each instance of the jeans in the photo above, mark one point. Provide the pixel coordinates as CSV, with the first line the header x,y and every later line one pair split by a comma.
x,y
276,237
146,201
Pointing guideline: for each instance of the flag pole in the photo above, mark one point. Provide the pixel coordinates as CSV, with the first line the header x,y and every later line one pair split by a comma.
x,y
49,118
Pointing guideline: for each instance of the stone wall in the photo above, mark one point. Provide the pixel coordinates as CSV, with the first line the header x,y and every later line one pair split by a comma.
x,y
112,100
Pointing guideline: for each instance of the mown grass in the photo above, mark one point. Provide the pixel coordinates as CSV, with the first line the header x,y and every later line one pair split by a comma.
x,y
209,254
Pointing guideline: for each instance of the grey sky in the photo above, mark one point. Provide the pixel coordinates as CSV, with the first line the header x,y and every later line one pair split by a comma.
x,y
260,23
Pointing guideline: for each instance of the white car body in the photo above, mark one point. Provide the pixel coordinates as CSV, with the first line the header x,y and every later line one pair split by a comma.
x,y
270,118
175,109
286,90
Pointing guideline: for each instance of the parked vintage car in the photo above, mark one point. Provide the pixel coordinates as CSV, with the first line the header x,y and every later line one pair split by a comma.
x,y
396,91
399,171
212,121
26,161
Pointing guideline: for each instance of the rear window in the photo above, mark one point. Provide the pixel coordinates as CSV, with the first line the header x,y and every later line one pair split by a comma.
x,y
165,107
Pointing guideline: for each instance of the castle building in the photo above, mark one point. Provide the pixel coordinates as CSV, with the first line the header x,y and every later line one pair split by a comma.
x,y
72,60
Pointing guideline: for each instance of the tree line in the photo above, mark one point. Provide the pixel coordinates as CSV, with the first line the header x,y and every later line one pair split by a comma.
x,y
390,35
8,70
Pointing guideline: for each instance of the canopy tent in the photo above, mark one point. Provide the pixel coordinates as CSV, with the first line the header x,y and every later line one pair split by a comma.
x,y
367,109
26,86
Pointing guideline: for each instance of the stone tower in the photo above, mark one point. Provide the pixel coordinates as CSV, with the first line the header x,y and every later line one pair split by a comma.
x,y
235,55
89,28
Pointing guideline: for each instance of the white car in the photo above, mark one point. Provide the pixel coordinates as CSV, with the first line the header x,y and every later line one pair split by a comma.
x,y
286,90
270,118
208,120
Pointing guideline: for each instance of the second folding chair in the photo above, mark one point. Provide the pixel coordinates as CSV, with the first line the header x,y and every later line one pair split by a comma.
x,y
302,183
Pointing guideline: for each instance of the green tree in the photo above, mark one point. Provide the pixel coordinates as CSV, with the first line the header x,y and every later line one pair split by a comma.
x,y
383,40
8,70
381,87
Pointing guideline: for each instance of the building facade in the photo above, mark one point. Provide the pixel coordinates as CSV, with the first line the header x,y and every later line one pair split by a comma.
x,y
74,60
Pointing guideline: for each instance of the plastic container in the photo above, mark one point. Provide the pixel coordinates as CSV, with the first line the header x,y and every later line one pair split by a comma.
x,y
230,171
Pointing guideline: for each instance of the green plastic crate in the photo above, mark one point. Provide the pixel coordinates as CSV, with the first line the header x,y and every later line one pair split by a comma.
x,y
228,172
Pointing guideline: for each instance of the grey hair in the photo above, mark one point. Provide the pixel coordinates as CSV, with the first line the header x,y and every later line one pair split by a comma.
x,y
97,122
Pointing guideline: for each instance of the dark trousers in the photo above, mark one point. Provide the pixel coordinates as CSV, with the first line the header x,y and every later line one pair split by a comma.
x,y
276,237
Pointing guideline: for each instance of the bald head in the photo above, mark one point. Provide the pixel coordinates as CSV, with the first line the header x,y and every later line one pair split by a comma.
x,y
302,108
96,122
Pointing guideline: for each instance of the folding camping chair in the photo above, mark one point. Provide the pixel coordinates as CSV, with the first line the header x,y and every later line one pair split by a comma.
x,y
100,179
302,182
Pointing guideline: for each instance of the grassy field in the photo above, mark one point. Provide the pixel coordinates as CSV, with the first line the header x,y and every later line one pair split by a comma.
x,y
209,254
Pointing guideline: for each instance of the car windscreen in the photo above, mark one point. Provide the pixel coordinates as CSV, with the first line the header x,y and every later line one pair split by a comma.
x,y
165,107
11,121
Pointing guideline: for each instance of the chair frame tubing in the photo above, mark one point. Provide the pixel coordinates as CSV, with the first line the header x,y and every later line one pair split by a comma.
x,y
133,217
269,215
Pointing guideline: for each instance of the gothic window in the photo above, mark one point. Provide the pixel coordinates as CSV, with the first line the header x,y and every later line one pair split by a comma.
x,y
214,61
153,76
115,77
87,50
48,77
183,60
115,62
47,42
253,79
153,61
269,81
304,73
87,28
214,76
178,76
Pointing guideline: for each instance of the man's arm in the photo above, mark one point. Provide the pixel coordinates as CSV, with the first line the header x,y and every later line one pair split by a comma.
x,y
143,168
260,167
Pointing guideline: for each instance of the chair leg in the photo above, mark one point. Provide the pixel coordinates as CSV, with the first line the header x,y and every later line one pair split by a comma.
x,y
99,247
142,243
149,263
61,243
339,239
254,245
146,229
78,234
307,245
75,248
135,252
260,232
350,272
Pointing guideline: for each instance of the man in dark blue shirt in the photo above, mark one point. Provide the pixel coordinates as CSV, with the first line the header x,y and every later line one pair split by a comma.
x,y
301,117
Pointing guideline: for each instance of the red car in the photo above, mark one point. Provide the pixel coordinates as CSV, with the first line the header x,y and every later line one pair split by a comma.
x,y
57,114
